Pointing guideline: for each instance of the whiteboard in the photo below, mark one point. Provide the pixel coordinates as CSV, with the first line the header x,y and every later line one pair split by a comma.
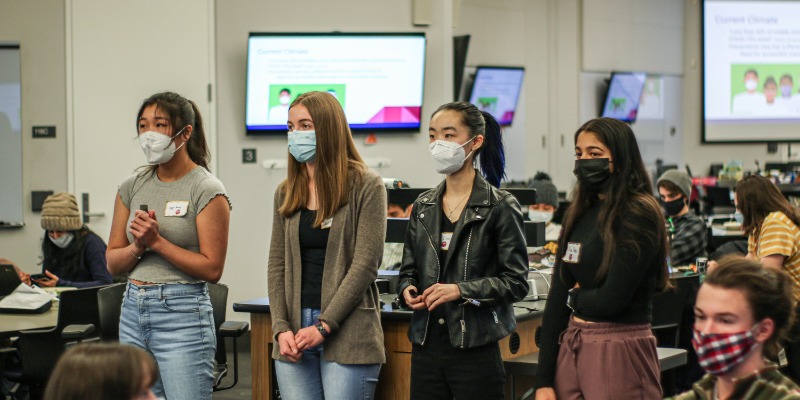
x,y
10,138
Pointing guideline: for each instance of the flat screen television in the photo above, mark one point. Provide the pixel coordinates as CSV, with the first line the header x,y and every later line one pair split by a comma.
x,y
624,93
496,90
751,71
377,77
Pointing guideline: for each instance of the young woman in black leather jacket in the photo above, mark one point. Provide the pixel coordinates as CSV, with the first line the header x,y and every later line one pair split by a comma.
x,y
464,262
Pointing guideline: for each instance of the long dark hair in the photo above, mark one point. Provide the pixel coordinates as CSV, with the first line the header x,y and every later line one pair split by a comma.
x,y
181,112
629,191
65,262
757,197
492,159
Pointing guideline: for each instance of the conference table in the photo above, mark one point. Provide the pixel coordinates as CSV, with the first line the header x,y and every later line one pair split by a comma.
x,y
12,324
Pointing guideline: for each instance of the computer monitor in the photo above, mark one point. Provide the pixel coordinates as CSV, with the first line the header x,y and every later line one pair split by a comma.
x,y
624,93
496,90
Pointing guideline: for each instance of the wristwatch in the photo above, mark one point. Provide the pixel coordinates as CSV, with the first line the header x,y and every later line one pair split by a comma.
x,y
321,329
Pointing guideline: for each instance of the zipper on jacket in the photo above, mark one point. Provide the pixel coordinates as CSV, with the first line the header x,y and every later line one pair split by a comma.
x,y
496,321
463,332
438,278
466,257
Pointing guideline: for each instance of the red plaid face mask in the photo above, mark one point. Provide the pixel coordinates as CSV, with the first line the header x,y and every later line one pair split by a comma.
x,y
719,353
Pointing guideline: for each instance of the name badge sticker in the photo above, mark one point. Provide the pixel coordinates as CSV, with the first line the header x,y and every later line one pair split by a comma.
x,y
573,253
446,238
176,208
327,223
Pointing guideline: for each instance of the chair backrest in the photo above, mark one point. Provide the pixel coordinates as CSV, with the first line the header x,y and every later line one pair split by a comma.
x,y
109,304
40,349
78,307
668,309
218,293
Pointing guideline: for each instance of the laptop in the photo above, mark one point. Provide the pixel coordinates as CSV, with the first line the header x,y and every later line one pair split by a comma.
x,y
9,280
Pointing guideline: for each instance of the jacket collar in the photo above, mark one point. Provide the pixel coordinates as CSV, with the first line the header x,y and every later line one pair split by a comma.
x,y
477,209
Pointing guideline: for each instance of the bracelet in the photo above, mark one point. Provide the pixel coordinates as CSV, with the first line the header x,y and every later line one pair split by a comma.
x,y
134,254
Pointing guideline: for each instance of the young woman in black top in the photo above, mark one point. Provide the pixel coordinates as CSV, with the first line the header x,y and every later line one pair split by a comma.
x,y
612,259
464,262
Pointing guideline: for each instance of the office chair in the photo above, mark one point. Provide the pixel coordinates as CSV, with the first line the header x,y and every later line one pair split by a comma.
x,y
110,303
666,323
37,351
225,329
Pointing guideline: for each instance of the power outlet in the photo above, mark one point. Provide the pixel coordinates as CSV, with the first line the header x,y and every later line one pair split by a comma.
x,y
248,156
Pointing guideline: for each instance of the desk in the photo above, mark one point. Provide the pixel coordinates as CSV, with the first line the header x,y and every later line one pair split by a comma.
x,y
720,236
12,324
395,377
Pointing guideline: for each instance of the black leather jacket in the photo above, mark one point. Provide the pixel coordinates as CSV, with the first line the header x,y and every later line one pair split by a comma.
x,y
487,258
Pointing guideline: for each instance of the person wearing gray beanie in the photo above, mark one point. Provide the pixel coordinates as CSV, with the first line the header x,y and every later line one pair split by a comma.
x,y
546,205
688,235
72,255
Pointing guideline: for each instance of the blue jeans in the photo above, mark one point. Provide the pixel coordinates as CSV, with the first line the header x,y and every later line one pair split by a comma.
x,y
314,378
175,323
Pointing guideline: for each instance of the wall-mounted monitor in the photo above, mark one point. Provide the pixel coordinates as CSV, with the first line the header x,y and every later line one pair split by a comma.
x,y
496,90
377,77
751,71
624,93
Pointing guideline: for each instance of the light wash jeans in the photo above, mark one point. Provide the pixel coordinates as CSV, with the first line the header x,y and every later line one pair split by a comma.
x,y
175,323
314,378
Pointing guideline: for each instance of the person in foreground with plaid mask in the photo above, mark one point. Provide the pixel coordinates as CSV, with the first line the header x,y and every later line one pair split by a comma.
x,y
742,314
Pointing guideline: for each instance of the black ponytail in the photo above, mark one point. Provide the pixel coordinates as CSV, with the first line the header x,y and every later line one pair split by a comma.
x,y
492,154
492,162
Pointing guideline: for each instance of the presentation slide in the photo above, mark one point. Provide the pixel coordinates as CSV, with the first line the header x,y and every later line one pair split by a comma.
x,y
496,91
751,72
377,79
624,93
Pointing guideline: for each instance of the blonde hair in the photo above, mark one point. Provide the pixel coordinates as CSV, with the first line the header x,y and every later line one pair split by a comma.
x,y
336,157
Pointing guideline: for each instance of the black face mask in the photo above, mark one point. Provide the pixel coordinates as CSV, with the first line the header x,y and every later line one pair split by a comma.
x,y
673,207
594,174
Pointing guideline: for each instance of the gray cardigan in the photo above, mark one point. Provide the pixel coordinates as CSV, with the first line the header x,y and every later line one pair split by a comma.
x,y
350,301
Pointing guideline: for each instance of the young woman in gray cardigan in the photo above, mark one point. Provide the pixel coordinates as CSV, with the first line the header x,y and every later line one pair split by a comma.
x,y
328,229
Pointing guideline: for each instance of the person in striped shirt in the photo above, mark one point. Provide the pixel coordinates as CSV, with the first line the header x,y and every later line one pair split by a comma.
x,y
773,228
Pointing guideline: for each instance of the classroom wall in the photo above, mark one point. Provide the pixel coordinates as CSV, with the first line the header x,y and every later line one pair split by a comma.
x,y
546,36
38,27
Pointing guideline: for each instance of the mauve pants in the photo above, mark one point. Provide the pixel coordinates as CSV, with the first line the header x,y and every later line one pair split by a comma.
x,y
599,361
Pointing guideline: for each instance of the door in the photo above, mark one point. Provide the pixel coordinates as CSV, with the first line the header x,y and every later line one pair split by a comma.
x,y
118,54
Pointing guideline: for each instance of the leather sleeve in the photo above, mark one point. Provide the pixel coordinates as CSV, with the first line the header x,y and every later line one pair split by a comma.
x,y
510,283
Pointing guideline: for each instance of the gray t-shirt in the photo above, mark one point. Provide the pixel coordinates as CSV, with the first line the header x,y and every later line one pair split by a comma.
x,y
177,205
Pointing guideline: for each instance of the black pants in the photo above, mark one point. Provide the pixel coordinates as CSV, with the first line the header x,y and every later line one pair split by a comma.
x,y
441,371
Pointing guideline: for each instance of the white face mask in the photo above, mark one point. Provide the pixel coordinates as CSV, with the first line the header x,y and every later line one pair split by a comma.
x,y
284,100
751,84
540,216
63,241
158,147
448,156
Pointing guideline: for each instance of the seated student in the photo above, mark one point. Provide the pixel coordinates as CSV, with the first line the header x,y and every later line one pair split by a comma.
x,y
543,211
103,371
73,255
393,252
687,232
742,313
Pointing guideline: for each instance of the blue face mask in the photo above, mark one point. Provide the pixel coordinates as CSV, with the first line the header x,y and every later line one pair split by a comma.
x,y
303,145
738,217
